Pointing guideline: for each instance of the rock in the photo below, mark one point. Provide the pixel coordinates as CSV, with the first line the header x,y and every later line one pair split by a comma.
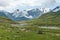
x,y
40,32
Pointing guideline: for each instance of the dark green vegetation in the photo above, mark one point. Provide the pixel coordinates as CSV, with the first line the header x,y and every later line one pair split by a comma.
x,y
30,30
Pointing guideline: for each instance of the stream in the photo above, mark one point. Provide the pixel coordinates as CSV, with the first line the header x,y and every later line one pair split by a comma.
x,y
45,27
50,27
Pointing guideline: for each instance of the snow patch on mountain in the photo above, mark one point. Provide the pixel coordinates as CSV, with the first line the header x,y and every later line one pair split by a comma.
x,y
21,14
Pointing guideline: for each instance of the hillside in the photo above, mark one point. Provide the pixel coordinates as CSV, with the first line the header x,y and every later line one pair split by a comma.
x,y
4,19
47,19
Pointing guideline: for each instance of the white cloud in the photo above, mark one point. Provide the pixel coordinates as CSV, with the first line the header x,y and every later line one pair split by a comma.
x,y
12,4
4,3
58,1
1,8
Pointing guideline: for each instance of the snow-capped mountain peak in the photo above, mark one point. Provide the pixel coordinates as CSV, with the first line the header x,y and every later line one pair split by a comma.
x,y
45,10
24,13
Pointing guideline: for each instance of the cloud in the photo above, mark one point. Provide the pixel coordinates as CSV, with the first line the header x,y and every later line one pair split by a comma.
x,y
13,4
1,8
48,3
4,3
58,1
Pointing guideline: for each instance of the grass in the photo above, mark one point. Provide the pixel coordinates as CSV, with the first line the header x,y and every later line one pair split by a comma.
x,y
7,32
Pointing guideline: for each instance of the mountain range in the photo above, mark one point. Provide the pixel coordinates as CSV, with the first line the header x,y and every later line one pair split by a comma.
x,y
18,15
22,15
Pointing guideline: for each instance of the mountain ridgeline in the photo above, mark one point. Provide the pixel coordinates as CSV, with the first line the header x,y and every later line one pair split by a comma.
x,y
18,15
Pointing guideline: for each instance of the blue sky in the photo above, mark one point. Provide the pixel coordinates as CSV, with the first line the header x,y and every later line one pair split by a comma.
x,y
10,5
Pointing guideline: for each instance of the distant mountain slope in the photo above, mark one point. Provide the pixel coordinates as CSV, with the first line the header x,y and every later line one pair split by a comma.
x,y
10,16
35,12
2,13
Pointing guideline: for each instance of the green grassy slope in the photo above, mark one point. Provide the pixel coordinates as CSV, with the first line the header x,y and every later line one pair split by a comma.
x,y
6,20
48,19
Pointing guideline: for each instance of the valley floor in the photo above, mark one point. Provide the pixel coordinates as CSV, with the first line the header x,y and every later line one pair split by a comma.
x,y
9,32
